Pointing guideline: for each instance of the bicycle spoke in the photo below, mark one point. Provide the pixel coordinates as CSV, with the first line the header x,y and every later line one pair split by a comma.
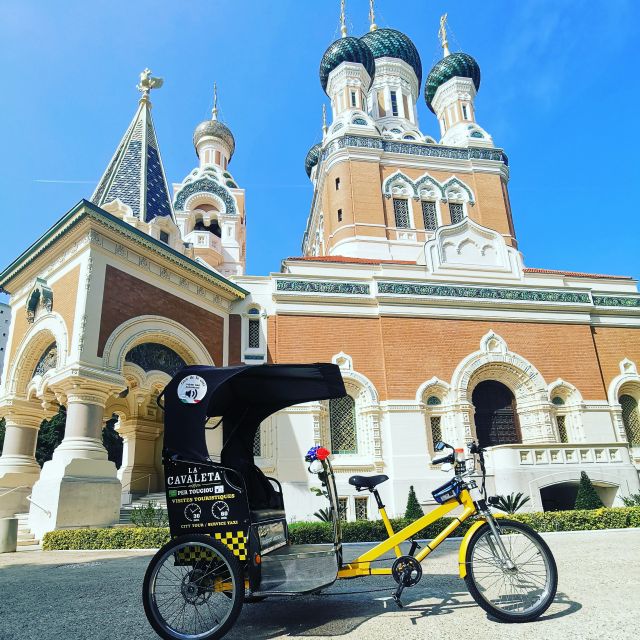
x,y
519,587
185,597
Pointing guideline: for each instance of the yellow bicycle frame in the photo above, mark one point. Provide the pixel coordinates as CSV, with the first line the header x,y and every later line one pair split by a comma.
x,y
361,566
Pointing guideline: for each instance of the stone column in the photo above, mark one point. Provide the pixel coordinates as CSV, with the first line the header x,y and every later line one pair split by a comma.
x,y
139,471
78,487
18,467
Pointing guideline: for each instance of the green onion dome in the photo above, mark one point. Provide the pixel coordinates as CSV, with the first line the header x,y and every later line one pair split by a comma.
x,y
216,129
345,50
312,159
455,64
389,43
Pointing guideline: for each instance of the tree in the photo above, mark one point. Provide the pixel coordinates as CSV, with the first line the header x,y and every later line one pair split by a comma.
x,y
632,500
113,442
587,497
413,510
50,436
511,503
2,431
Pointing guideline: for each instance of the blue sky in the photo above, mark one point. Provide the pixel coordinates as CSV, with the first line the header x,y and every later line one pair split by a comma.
x,y
559,93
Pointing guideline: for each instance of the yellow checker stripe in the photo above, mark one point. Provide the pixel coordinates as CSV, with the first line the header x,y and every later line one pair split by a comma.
x,y
236,541
192,554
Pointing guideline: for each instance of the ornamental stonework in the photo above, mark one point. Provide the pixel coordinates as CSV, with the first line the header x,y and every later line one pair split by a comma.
x,y
305,286
524,295
206,185
416,149
616,301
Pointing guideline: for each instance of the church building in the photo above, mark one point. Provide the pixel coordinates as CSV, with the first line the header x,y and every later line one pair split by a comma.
x,y
409,278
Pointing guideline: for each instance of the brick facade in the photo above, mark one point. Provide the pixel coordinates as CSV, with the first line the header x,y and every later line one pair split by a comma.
x,y
65,292
127,297
399,354
613,345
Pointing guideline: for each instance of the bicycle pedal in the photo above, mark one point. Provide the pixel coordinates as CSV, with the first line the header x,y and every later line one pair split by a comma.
x,y
396,599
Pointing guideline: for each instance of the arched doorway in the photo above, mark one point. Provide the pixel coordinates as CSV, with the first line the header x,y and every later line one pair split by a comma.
x,y
496,417
562,495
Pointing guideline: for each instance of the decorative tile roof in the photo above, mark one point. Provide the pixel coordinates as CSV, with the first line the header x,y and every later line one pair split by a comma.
x,y
389,43
347,259
135,174
216,129
313,156
575,274
455,64
345,50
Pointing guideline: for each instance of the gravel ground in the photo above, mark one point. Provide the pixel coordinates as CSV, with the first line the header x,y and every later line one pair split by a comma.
x,y
95,595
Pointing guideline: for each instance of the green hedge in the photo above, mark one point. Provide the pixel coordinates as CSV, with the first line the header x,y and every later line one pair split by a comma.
x,y
112,538
373,530
363,530
360,531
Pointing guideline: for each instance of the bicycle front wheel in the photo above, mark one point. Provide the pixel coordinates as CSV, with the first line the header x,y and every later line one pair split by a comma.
x,y
519,588
193,589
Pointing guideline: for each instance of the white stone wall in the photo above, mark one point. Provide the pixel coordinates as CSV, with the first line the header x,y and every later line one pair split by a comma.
x,y
5,324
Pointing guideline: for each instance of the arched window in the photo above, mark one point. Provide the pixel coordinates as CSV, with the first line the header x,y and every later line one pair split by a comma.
x,y
253,335
342,425
561,419
456,209
429,215
434,423
401,213
631,419
48,360
562,428
257,443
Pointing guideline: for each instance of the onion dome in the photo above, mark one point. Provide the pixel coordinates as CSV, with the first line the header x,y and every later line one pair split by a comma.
x,y
312,159
215,129
346,49
455,64
389,43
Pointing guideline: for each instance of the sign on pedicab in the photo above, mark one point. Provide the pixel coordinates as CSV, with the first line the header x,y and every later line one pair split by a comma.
x,y
203,499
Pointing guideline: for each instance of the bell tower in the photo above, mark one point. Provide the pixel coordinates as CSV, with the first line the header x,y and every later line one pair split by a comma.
x,y
209,205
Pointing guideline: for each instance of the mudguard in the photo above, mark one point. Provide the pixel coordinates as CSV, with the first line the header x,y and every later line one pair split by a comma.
x,y
464,545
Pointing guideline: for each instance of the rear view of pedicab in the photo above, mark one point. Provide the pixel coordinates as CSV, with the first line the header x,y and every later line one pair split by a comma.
x,y
229,538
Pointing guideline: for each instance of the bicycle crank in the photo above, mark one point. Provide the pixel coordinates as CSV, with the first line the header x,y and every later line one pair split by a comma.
x,y
406,571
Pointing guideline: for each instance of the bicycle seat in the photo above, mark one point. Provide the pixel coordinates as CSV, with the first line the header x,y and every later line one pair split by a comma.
x,y
367,482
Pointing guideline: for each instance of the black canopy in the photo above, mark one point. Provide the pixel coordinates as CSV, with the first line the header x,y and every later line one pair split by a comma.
x,y
243,397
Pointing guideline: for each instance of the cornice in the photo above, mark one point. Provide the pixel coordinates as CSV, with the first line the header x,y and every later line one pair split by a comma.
x,y
415,149
85,210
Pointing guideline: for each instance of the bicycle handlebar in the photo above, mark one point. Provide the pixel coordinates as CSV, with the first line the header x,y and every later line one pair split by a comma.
x,y
449,458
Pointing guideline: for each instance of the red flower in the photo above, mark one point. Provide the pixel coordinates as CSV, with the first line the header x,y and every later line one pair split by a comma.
x,y
322,453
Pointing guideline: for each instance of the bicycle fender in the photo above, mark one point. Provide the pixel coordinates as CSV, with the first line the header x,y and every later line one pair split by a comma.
x,y
464,545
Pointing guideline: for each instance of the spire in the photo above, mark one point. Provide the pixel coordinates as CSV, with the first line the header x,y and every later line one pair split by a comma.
x,y
343,24
372,16
135,175
214,111
442,34
324,120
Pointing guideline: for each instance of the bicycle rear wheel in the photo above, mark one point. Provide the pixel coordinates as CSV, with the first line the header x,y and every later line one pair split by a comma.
x,y
193,589
518,593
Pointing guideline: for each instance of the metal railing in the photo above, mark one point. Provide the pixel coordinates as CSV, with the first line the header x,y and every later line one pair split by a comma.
x,y
148,476
6,493
35,504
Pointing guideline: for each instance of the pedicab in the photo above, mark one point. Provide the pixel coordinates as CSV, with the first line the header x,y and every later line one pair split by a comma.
x,y
229,538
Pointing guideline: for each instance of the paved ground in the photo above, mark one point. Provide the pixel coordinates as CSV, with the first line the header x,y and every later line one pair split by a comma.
x,y
95,595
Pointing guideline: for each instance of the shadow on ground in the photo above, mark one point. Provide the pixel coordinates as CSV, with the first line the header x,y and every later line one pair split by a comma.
x,y
101,599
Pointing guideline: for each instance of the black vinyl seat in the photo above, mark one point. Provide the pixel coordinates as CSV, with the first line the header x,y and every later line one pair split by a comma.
x,y
367,482
262,515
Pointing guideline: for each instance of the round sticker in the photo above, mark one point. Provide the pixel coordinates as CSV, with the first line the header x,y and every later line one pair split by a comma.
x,y
192,389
